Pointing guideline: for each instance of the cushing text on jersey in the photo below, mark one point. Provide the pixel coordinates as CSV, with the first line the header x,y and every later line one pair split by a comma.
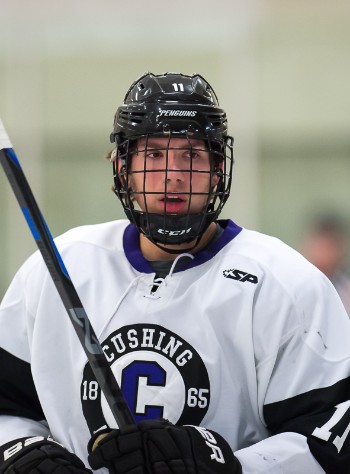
x,y
148,339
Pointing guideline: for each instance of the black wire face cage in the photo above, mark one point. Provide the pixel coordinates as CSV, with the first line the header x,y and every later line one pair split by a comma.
x,y
173,186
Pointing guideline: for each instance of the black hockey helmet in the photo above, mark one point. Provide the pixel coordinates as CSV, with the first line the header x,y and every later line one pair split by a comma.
x,y
172,105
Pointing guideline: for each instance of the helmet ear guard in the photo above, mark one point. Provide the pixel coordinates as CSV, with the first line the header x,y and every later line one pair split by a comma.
x,y
172,106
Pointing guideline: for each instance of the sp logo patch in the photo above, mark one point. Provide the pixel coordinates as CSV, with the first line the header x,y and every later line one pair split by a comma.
x,y
240,275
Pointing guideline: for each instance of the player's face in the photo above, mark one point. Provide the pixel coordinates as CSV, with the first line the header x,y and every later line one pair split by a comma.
x,y
172,176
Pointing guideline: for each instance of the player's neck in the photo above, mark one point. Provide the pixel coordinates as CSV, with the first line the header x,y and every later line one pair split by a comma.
x,y
151,252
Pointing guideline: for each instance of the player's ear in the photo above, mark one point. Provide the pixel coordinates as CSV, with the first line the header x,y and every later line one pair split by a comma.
x,y
217,175
117,164
113,157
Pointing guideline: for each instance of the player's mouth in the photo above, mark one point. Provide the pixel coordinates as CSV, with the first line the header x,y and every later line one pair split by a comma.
x,y
173,204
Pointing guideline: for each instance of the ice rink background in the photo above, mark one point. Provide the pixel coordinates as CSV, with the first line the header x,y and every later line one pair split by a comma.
x,y
281,70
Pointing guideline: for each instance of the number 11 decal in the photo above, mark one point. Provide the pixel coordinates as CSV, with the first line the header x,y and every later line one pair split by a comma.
x,y
178,86
324,432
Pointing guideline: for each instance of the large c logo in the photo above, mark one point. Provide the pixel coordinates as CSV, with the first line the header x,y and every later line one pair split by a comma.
x,y
133,374
160,374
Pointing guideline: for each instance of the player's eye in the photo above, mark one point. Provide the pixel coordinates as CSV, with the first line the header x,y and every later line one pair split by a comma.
x,y
154,154
193,154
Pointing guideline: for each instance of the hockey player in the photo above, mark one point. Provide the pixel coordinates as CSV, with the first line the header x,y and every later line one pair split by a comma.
x,y
232,350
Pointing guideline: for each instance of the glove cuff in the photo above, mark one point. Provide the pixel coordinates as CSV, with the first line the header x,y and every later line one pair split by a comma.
x,y
13,450
211,452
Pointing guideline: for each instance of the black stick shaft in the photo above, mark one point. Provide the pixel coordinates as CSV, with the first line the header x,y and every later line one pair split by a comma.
x,y
63,283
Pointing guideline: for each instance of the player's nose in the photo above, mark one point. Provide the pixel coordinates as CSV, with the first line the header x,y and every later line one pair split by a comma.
x,y
175,166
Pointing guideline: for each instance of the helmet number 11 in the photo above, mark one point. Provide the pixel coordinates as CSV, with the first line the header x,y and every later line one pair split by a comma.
x,y
178,86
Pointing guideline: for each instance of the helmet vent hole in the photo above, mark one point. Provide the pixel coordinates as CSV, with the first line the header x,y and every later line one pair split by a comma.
x,y
131,117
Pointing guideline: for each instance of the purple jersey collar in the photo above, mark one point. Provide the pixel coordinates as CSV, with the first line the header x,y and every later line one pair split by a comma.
x,y
138,261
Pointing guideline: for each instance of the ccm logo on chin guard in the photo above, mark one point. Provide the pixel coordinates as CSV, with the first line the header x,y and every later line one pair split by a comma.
x,y
173,232
239,275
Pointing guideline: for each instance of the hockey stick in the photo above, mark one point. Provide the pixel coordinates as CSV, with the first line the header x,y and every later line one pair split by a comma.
x,y
64,285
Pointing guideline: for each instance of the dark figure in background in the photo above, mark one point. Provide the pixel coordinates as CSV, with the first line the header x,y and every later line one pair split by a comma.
x,y
326,246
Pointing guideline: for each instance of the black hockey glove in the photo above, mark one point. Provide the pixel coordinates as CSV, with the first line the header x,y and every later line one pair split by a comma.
x,y
43,457
159,447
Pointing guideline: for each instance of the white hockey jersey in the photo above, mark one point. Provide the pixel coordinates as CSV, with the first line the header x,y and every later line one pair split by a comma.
x,y
247,339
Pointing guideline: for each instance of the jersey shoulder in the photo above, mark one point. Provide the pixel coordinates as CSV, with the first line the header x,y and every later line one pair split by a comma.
x,y
107,235
83,240
277,263
271,253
